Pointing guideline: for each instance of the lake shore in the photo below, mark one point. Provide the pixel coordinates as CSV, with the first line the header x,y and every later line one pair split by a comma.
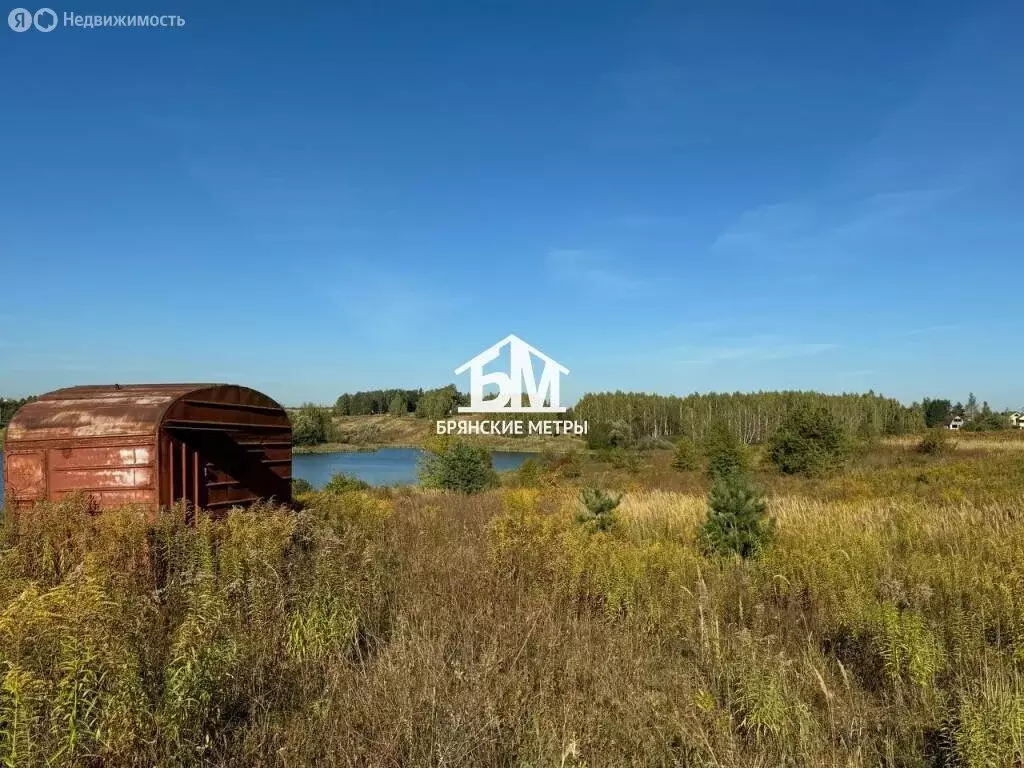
x,y
300,450
370,433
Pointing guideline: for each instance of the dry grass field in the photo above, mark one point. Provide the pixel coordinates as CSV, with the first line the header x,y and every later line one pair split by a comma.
x,y
884,627
1006,440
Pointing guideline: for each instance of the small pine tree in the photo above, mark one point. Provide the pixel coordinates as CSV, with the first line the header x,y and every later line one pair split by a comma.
x,y
971,409
529,474
598,510
810,441
458,466
398,406
724,451
737,521
687,456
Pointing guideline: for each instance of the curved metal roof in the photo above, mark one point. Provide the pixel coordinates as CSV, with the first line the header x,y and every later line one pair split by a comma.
x,y
104,411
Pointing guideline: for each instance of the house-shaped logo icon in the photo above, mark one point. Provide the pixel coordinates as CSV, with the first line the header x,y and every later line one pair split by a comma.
x,y
542,394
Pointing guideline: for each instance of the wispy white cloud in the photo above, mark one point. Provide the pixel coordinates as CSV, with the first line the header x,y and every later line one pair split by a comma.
x,y
942,142
765,224
824,229
593,270
755,348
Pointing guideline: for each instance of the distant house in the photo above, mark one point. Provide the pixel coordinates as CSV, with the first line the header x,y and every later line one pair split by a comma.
x,y
957,422
1017,420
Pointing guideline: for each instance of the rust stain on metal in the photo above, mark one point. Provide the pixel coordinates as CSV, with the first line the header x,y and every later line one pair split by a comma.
x,y
209,445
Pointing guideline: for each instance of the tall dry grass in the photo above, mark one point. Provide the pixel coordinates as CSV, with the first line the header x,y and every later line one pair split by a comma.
x,y
424,629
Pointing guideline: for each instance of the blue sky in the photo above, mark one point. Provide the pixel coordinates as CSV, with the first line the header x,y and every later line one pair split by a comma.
x,y
667,197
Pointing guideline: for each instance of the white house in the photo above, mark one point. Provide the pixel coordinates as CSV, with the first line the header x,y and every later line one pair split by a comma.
x,y
957,422
510,385
1017,420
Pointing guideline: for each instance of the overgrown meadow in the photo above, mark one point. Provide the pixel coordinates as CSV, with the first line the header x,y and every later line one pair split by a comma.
x,y
882,626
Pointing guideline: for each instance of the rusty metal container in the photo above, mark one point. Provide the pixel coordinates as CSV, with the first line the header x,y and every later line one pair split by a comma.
x,y
213,446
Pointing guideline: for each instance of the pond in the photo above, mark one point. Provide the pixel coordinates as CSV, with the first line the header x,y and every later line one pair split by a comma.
x,y
385,466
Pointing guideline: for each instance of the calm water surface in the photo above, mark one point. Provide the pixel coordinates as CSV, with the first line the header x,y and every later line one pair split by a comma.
x,y
386,466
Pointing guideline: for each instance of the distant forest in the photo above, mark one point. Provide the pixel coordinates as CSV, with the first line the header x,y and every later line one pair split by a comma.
x,y
9,406
753,416
428,404
938,413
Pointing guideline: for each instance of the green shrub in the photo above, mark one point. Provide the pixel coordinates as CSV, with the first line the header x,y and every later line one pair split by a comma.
x,y
687,456
608,434
598,510
726,454
301,486
868,431
935,442
810,441
651,443
342,482
737,521
620,458
312,425
568,465
530,474
458,466
988,422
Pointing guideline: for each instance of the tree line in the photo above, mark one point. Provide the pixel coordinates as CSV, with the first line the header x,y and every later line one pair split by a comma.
x,y
939,413
754,416
9,406
425,403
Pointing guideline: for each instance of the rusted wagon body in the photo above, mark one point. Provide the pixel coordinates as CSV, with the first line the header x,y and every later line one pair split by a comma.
x,y
211,445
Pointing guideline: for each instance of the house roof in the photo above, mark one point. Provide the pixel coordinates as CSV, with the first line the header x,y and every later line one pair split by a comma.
x,y
489,354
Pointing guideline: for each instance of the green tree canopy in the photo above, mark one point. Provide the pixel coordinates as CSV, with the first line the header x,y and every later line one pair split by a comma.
x,y
937,412
810,441
752,416
312,425
453,465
